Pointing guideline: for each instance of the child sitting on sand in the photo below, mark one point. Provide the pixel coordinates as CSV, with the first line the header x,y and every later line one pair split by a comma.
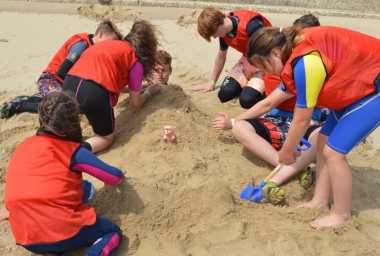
x,y
46,213
52,77
104,70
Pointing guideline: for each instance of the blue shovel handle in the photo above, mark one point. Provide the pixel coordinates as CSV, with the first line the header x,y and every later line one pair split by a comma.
x,y
305,142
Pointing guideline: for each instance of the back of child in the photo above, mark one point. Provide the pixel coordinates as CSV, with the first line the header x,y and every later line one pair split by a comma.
x,y
51,164
97,79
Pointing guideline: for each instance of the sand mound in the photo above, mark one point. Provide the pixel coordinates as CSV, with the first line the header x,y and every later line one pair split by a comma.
x,y
182,198
116,13
188,19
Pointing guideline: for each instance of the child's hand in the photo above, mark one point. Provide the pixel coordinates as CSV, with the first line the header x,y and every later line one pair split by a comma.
x,y
144,85
207,87
153,88
288,158
223,122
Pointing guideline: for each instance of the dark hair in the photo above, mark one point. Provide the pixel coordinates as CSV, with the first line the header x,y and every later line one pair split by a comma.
x,y
144,41
109,28
265,39
306,21
58,115
208,22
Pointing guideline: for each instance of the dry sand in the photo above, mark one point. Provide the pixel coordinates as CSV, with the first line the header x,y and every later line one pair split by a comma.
x,y
181,198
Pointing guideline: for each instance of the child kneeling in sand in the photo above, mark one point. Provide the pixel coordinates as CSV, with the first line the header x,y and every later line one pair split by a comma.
x,y
105,70
52,77
44,192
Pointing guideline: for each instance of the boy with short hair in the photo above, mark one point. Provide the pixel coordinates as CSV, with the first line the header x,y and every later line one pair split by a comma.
x,y
163,69
233,30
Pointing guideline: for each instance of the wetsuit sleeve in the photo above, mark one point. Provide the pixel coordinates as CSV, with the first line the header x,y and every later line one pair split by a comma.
x,y
222,44
253,25
309,76
75,52
136,77
84,160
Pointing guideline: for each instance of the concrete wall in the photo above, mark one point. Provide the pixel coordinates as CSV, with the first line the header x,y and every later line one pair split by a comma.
x,y
338,8
372,6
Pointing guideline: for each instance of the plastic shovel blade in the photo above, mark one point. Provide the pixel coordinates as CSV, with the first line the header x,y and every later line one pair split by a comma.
x,y
246,193
257,195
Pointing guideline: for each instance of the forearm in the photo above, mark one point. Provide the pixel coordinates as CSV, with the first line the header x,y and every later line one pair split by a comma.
x,y
266,105
220,60
298,128
259,109
84,160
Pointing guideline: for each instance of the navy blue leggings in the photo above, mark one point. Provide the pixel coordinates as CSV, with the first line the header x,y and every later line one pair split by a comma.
x,y
105,235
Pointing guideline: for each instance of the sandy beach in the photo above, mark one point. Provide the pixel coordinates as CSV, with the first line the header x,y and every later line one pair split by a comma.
x,y
181,198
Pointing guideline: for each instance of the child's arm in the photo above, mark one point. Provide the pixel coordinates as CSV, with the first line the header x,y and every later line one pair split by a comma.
x,y
300,123
266,105
309,76
84,160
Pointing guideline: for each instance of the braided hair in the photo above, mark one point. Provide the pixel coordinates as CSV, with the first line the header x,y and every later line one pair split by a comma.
x,y
58,115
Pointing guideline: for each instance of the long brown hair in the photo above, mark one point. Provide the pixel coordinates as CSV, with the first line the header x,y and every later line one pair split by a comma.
x,y
143,38
58,115
265,39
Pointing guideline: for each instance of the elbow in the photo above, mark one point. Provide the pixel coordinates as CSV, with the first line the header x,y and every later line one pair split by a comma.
x,y
134,105
115,181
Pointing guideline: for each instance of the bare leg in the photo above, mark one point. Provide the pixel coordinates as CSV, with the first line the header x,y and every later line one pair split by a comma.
x,y
322,187
246,134
307,157
4,214
341,183
100,143
257,83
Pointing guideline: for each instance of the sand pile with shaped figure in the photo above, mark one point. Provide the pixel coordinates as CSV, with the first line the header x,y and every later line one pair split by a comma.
x,y
182,198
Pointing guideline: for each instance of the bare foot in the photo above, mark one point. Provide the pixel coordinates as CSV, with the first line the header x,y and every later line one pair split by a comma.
x,y
4,214
331,220
312,204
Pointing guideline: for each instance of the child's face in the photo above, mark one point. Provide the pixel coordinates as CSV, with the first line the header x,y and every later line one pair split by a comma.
x,y
276,66
162,73
272,64
219,32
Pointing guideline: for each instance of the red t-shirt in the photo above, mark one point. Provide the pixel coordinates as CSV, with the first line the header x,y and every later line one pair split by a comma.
x,y
62,53
43,196
241,40
107,63
351,60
